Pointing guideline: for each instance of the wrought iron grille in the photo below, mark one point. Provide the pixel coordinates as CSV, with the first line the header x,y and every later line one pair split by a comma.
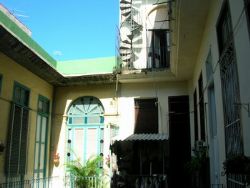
x,y
236,181
231,96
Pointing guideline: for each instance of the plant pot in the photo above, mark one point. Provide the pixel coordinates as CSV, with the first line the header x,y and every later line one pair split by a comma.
x,y
56,162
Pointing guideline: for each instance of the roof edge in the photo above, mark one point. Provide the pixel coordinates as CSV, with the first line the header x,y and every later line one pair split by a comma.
x,y
18,32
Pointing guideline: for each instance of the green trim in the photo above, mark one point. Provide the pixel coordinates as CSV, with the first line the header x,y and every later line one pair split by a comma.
x,y
71,136
16,31
86,126
44,100
87,66
98,147
42,115
22,87
85,145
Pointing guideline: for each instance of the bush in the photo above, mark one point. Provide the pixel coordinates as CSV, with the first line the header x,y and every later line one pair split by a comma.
x,y
83,173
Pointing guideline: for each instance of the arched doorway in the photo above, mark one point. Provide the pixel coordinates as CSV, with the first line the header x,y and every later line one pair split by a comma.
x,y
85,125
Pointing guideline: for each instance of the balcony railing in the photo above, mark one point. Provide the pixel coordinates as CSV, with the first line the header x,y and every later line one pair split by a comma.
x,y
59,182
157,180
237,180
157,58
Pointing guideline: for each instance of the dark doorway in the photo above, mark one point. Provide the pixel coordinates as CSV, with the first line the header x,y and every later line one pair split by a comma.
x,y
179,141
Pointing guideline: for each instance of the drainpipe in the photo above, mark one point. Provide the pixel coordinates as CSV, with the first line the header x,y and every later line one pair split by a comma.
x,y
116,92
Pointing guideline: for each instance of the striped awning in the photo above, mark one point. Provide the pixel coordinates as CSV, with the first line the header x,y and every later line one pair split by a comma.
x,y
119,144
147,137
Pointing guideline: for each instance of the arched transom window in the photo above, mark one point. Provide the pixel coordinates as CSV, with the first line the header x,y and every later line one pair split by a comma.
x,y
85,128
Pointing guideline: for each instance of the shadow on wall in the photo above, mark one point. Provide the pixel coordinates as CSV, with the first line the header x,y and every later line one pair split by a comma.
x,y
57,121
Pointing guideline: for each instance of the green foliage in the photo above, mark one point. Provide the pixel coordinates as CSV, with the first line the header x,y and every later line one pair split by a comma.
x,y
238,164
83,173
197,161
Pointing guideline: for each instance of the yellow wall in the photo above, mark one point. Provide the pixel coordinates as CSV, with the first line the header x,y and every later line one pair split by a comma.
x,y
64,96
11,72
119,109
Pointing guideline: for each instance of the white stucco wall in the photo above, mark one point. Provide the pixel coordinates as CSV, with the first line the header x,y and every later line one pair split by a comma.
x,y
209,42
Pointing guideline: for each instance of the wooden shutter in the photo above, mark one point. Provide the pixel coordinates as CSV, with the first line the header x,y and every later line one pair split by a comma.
x,y
146,116
17,141
18,132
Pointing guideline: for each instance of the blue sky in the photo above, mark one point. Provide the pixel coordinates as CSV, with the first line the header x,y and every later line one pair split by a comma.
x,y
77,29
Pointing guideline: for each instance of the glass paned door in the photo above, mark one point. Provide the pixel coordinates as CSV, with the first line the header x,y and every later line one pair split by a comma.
x,y
85,142
91,145
40,150
85,128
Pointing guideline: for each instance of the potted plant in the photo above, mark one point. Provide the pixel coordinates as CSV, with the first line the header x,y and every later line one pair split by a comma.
x,y
237,164
82,172
56,159
197,161
197,166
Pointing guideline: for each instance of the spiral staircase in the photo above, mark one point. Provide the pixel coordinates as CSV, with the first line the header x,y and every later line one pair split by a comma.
x,y
130,33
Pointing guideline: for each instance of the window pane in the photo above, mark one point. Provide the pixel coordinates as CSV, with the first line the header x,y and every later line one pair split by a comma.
x,y
94,119
46,107
40,106
37,156
79,144
44,125
91,142
17,95
70,120
78,120
38,128
26,98
42,154
23,97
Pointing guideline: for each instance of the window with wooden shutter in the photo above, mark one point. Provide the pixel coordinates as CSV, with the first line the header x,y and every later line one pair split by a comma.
x,y
17,133
41,138
146,116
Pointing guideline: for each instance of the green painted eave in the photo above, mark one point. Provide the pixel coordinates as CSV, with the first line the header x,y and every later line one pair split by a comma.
x,y
24,38
87,66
